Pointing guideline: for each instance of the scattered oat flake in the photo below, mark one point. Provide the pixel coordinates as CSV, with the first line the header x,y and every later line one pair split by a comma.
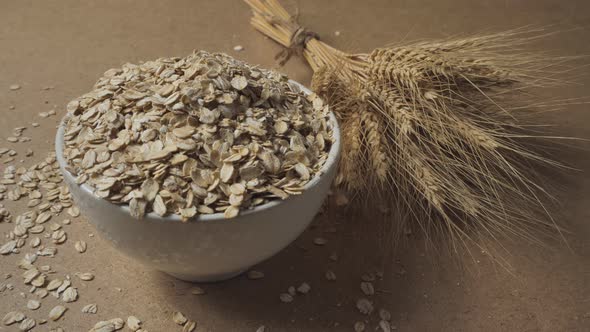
x,y
330,275
80,246
70,295
196,290
40,292
90,309
364,306
74,211
27,324
304,288
86,276
189,326
57,312
37,229
118,323
30,275
54,284
384,315
65,284
254,274
33,304
48,252
14,87
133,323
320,241
367,288
286,298
359,327
179,318
8,247
238,48
261,328
43,217
104,326
368,277
385,326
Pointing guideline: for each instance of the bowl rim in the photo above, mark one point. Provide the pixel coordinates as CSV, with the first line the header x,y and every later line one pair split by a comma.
x,y
330,163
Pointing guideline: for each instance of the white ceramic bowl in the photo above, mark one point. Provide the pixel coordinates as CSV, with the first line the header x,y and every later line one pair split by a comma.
x,y
209,247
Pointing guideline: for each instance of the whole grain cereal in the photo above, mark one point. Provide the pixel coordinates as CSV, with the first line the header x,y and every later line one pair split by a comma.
x,y
196,135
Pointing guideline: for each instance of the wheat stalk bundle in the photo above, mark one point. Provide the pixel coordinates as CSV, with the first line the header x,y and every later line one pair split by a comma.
x,y
426,126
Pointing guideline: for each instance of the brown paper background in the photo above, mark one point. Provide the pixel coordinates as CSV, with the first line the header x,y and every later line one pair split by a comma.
x,y
68,44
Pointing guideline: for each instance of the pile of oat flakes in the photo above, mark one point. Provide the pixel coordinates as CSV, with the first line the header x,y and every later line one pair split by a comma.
x,y
202,134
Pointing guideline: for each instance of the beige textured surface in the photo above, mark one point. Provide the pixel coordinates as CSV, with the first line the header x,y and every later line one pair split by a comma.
x,y
68,44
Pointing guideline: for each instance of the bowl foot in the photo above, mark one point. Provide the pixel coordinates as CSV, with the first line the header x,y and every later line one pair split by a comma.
x,y
206,278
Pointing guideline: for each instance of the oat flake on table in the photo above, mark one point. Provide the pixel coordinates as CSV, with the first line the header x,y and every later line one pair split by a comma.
x,y
57,312
179,318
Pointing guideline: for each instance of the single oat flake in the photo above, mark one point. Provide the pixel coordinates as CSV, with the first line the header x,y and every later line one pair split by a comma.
x,y
104,326
57,312
70,295
367,288
359,327
330,275
384,315
90,309
33,304
320,241
133,323
189,326
86,276
304,288
364,306
198,291
254,274
27,324
286,298
80,246
179,318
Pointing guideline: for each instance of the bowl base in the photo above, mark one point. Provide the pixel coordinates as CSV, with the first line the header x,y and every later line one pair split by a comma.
x,y
208,277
